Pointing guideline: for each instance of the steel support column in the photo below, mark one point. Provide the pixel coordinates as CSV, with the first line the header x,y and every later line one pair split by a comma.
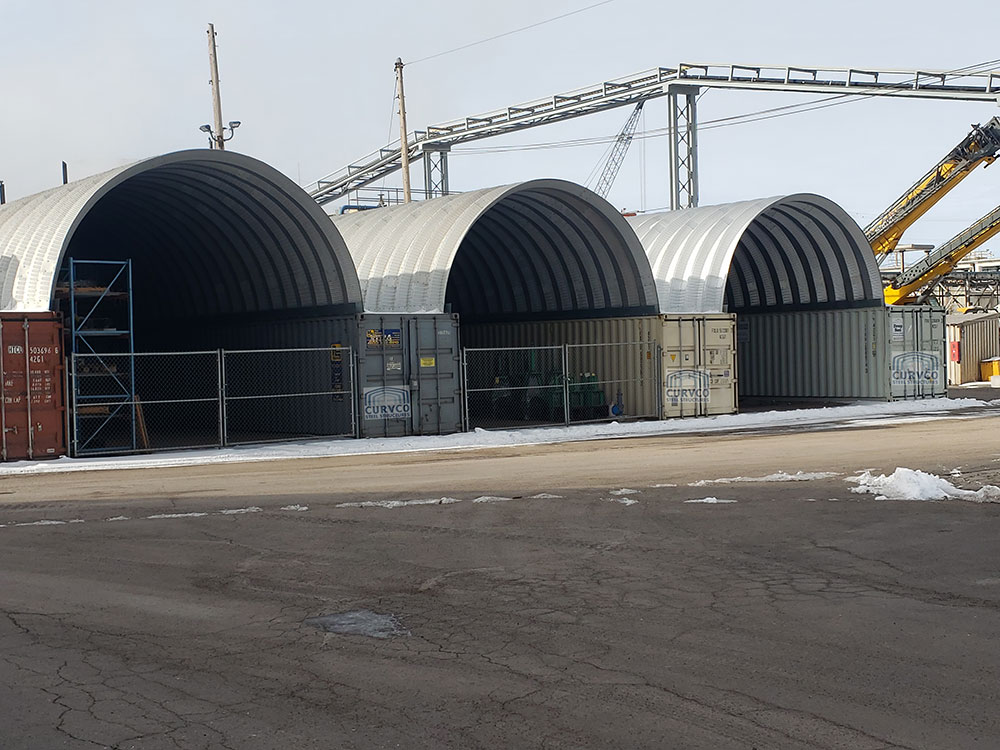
x,y
436,170
682,107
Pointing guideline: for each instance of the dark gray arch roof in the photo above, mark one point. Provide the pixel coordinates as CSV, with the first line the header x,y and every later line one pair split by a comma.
x,y
218,232
790,252
546,247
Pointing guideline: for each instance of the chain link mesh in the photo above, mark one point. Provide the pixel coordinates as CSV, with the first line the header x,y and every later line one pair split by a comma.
x,y
515,387
128,403
284,394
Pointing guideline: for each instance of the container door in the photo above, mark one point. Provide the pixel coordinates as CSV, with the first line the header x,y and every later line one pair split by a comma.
x,y
435,374
32,414
916,352
719,337
383,378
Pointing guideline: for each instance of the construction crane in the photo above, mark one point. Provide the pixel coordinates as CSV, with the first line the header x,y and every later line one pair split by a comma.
x,y
617,155
978,147
916,283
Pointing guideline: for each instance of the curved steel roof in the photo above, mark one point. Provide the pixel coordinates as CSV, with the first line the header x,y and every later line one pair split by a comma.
x,y
210,232
543,247
793,252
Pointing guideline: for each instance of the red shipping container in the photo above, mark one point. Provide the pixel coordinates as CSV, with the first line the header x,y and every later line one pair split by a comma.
x,y
32,389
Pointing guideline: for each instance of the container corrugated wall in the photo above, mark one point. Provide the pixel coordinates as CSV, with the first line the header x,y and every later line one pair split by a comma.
x,y
814,354
978,339
699,365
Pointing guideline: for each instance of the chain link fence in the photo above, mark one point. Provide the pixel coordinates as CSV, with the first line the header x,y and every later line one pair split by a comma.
x,y
273,395
560,385
135,403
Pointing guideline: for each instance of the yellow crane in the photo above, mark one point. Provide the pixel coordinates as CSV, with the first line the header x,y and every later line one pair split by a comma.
x,y
915,284
980,146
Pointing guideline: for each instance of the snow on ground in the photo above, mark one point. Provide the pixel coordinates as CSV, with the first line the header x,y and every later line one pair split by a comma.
x,y
888,413
710,501
622,500
779,476
913,484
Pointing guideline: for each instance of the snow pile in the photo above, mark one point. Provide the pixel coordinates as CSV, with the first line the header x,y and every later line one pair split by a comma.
x,y
624,491
710,501
392,504
778,476
913,484
502,438
622,500
545,496
491,499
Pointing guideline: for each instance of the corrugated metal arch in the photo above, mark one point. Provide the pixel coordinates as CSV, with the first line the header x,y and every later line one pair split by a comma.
x,y
543,247
212,233
791,252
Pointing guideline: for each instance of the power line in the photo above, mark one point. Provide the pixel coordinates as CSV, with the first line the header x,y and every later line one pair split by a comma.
x,y
509,33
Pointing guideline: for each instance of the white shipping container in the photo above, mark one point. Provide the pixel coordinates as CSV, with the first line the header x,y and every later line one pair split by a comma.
x,y
916,358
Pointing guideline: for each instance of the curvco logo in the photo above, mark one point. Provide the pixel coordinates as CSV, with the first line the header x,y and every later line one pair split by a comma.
x,y
387,402
688,386
916,368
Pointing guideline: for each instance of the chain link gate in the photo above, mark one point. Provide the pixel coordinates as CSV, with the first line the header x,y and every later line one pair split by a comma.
x,y
560,385
138,403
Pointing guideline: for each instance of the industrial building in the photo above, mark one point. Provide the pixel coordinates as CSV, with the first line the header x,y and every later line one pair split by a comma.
x,y
208,300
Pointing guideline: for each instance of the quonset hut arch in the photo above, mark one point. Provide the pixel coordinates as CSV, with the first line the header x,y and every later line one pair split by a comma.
x,y
545,249
226,252
797,252
210,233
802,279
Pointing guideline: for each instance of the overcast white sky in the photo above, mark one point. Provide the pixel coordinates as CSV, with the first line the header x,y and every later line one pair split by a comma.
x,y
107,82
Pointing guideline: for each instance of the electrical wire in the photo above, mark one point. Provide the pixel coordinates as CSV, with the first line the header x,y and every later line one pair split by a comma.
x,y
509,33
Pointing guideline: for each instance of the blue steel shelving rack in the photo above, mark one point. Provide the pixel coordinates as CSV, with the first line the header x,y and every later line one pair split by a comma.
x,y
106,388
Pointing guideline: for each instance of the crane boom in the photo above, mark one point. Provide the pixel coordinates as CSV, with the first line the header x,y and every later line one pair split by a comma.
x,y
979,147
905,288
617,155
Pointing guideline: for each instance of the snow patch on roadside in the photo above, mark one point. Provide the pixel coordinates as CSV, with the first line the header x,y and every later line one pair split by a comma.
x,y
481,439
624,491
43,522
238,511
622,500
545,496
710,501
392,504
913,484
296,507
778,476
491,499
177,515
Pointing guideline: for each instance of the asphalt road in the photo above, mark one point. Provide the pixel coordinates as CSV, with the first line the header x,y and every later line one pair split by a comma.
x,y
799,616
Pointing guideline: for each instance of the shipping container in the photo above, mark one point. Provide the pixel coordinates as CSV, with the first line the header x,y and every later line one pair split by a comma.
x,y
655,366
874,353
32,391
972,339
409,375
916,358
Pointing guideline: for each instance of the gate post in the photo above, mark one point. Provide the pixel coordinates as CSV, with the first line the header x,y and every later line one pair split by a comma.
x,y
220,355
565,380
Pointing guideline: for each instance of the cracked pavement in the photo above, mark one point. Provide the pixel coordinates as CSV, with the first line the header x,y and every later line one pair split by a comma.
x,y
801,616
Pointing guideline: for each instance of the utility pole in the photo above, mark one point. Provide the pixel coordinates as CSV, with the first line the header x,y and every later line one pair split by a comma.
x,y
213,62
403,145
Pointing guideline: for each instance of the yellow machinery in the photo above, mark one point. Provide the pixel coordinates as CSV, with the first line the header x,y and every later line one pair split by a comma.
x,y
978,147
906,287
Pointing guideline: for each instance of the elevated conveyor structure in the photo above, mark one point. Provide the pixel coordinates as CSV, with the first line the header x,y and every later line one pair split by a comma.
x,y
681,83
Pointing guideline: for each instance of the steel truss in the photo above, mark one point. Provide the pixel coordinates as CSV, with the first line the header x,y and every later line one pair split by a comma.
x,y
652,84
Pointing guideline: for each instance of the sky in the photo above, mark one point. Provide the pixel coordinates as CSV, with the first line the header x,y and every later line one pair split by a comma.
x,y
109,82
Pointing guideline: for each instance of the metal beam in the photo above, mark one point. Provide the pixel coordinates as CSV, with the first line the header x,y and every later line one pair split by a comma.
x,y
435,170
652,84
682,106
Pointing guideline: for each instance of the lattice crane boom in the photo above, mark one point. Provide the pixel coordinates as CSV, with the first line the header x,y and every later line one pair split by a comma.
x,y
617,156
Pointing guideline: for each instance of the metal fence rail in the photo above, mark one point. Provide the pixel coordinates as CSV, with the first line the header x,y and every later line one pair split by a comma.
x,y
136,403
553,385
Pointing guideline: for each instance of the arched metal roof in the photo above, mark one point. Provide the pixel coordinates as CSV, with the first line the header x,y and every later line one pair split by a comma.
x,y
210,232
544,247
798,251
